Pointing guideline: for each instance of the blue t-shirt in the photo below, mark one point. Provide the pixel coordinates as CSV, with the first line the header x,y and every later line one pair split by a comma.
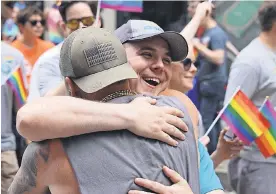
x,y
208,178
214,39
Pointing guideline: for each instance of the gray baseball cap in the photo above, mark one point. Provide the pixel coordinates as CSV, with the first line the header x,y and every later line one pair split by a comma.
x,y
135,30
94,58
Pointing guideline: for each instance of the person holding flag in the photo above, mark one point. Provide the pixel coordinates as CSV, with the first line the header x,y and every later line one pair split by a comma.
x,y
12,98
254,70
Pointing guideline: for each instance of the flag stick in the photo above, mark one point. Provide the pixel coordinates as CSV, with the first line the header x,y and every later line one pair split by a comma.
x,y
98,12
266,99
221,112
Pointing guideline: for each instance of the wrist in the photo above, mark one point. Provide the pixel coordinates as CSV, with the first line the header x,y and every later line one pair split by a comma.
x,y
219,156
198,17
216,156
127,115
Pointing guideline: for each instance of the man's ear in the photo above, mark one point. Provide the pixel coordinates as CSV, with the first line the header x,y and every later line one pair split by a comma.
x,y
70,87
63,29
21,28
98,24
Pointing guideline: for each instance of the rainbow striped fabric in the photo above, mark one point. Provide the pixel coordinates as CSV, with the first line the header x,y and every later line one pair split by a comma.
x,y
16,82
121,5
245,120
267,141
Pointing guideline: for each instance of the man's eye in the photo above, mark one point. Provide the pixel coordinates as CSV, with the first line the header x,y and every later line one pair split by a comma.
x,y
167,61
147,55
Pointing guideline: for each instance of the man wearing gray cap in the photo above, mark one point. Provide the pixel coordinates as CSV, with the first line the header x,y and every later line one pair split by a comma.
x,y
95,67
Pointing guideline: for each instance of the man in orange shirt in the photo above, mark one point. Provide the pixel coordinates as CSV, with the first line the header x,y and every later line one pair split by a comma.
x,y
31,24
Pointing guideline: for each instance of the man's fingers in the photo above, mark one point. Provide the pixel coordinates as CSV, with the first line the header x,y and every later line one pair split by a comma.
x,y
238,142
173,131
151,185
138,192
177,122
173,175
164,137
173,111
222,133
236,148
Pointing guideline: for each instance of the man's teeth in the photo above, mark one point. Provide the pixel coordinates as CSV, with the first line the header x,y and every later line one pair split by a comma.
x,y
152,81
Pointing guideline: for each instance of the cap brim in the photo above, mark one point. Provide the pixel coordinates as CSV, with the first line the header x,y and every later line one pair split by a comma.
x,y
94,82
177,43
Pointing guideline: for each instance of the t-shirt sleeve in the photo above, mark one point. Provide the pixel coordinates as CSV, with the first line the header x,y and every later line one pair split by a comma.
x,y
208,178
218,41
49,76
244,75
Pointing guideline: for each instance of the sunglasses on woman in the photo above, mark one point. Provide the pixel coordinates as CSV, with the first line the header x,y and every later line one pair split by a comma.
x,y
35,22
74,24
187,63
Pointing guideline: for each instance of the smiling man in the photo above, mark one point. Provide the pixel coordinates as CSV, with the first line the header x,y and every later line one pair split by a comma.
x,y
154,73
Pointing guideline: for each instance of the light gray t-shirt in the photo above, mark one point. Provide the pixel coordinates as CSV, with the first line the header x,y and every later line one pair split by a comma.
x,y
11,59
255,71
46,73
108,162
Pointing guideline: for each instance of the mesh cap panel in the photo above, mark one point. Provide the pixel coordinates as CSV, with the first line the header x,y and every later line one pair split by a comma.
x,y
65,65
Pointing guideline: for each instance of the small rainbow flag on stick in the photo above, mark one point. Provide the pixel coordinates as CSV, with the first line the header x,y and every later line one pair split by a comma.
x,y
17,84
267,141
245,120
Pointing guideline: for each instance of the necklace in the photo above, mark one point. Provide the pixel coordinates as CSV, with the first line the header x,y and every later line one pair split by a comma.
x,y
117,95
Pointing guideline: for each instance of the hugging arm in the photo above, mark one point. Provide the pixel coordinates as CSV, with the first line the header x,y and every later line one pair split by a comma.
x,y
64,116
30,177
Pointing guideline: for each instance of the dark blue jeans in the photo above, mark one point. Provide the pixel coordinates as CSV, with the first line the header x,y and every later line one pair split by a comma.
x,y
209,108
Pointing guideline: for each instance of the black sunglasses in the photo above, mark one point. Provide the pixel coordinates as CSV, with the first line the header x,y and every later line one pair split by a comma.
x,y
34,22
187,63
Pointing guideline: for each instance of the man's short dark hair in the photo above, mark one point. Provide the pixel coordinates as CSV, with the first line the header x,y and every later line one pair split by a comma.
x,y
65,5
25,14
267,15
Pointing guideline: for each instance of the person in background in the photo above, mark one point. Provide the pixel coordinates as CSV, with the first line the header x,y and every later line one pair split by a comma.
x,y
46,74
31,24
254,70
212,74
182,80
11,59
53,18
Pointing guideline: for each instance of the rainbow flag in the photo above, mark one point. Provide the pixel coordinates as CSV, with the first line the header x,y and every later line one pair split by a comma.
x,y
121,5
244,119
16,82
267,142
199,34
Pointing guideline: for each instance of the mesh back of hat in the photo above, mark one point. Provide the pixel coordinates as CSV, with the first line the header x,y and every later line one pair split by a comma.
x,y
65,65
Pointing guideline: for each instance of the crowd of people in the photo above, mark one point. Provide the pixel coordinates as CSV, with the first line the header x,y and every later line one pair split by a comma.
x,y
85,85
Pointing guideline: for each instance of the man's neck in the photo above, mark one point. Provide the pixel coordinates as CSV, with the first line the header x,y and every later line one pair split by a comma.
x,y
210,23
113,89
28,41
269,39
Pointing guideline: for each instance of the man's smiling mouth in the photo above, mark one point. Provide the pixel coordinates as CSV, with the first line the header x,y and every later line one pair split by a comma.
x,y
152,81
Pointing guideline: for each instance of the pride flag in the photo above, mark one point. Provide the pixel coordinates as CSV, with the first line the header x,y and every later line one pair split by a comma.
x,y
17,84
121,5
245,120
267,141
